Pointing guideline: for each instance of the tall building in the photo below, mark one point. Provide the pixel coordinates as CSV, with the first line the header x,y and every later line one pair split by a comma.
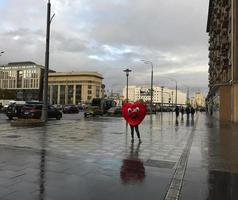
x,y
74,87
222,27
160,95
23,80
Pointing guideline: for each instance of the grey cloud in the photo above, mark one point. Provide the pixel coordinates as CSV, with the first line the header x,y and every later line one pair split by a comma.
x,y
169,33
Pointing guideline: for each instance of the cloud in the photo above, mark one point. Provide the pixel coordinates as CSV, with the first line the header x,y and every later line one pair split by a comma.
x,y
109,36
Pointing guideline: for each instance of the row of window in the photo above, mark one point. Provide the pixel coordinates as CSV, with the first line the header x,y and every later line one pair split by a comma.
x,y
18,67
31,73
66,94
22,83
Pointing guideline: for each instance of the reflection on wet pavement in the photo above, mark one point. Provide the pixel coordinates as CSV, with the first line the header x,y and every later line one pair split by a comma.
x,y
132,169
92,158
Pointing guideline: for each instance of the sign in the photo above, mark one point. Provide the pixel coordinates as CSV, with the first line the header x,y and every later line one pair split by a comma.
x,y
145,92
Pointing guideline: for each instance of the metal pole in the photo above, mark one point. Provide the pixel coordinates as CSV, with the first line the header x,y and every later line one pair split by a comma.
x,y
176,94
44,116
162,98
151,83
151,89
127,74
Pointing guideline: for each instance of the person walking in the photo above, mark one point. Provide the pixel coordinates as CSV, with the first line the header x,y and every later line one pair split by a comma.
x,y
134,113
187,111
177,111
136,128
182,111
192,112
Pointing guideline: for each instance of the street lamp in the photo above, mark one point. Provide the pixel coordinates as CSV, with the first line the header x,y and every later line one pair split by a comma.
x,y
127,75
2,52
162,96
44,115
176,87
151,83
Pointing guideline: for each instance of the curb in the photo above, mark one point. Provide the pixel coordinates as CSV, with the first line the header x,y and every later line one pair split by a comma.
x,y
27,122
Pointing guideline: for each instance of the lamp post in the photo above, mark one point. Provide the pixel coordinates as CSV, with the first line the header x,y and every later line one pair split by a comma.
x,y
2,52
44,114
127,75
176,88
162,96
151,83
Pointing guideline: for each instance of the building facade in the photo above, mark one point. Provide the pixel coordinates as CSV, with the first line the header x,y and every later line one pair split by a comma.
x,y
74,87
222,27
198,100
21,81
161,95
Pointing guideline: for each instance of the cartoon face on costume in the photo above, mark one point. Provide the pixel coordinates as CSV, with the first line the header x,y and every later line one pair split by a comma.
x,y
134,113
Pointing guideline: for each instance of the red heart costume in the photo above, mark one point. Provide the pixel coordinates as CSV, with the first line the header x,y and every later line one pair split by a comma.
x,y
134,113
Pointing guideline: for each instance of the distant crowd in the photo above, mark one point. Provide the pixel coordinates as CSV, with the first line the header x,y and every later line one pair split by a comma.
x,y
188,110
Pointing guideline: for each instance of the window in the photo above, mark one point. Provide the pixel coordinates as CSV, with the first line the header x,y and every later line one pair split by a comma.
x,y
89,86
89,91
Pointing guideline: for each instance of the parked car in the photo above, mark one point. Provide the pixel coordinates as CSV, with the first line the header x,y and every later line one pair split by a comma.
x,y
33,111
80,107
70,109
99,106
114,111
58,106
148,110
93,111
13,110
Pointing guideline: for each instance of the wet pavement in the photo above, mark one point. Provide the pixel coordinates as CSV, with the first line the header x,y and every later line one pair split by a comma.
x,y
93,158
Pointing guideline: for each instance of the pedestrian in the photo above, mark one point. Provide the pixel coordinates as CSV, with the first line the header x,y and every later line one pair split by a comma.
x,y
177,111
182,111
187,111
192,112
136,127
134,113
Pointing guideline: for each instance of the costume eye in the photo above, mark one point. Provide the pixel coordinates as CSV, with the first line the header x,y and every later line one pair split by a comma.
x,y
129,110
137,109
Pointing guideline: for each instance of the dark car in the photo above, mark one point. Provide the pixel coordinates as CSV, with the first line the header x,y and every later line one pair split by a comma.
x,y
70,109
114,111
33,111
80,107
13,110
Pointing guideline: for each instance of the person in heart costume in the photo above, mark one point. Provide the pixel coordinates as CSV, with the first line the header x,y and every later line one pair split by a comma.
x,y
134,113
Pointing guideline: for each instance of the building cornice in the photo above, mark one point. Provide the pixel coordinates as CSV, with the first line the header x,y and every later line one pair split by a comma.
x,y
84,73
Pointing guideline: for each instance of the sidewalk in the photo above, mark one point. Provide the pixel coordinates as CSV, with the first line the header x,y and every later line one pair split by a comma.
x,y
93,158
212,170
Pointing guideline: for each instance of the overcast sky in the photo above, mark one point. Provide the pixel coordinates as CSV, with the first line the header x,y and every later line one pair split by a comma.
x,y
109,36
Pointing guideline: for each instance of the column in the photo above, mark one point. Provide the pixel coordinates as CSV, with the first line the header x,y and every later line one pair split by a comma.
x,y
51,94
58,95
74,94
66,94
84,93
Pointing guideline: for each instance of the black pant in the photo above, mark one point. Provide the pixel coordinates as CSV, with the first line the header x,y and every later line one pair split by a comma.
x,y
137,131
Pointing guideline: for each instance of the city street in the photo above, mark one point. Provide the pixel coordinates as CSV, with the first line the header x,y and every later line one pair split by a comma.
x,y
93,159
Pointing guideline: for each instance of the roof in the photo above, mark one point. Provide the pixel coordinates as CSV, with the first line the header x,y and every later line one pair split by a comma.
x,y
83,73
22,63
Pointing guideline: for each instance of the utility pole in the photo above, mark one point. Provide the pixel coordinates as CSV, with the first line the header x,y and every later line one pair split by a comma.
x,y
44,115
162,97
151,83
127,75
